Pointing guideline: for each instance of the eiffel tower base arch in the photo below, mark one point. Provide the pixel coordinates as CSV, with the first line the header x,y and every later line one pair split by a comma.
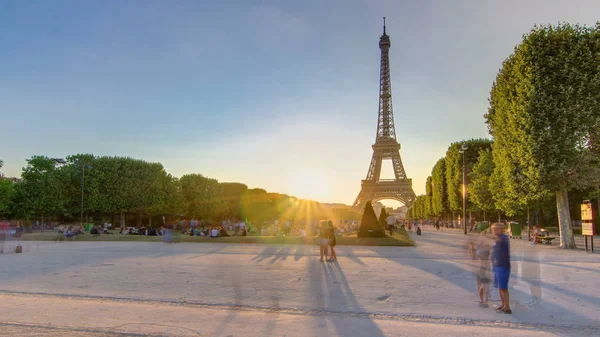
x,y
399,190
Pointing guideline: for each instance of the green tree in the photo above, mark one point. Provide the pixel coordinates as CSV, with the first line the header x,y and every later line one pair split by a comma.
x,y
428,207
40,192
439,196
454,167
383,218
256,206
544,118
200,195
6,196
480,194
418,208
175,203
231,200
369,226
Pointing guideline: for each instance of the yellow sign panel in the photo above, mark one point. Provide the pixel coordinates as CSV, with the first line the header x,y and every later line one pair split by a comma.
x,y
586,212
587,228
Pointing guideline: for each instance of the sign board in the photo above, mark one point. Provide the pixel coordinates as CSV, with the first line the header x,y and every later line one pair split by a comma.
x,y
586,212
587,228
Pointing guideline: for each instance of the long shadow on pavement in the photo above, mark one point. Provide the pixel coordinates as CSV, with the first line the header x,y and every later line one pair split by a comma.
x,y
464,279
29,265
328,281
272,252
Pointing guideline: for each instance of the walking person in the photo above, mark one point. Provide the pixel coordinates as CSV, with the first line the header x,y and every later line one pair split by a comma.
x,y
3,236
391,222
323,240
483,273
332,241
501,265
167,236
18,248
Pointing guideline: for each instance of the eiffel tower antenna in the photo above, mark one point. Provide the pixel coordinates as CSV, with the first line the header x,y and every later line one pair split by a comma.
x,y
386,145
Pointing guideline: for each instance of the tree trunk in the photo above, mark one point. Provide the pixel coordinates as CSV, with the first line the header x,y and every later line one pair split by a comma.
x,y
138,220
470,221
528,225
122,220
597,215
567,240
150,220
484,215
112,219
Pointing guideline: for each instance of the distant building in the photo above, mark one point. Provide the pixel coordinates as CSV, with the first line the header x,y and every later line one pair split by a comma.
x,y
400,212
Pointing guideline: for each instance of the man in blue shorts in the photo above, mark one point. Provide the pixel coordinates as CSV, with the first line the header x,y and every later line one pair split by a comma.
x,y
501,263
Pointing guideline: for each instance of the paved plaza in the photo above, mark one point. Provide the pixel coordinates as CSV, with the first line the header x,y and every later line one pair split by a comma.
x,y
140,289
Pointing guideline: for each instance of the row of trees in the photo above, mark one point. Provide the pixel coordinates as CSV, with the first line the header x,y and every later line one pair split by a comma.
x,y
544,117
443,188
131,191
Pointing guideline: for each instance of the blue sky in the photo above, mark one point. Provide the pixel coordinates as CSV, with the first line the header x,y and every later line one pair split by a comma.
x,y
275,94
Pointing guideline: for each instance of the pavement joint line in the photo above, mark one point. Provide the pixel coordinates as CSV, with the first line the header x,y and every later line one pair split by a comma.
x,y
106,330
320,312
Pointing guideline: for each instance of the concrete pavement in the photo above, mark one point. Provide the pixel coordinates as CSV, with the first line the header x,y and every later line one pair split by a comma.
x,y
132,288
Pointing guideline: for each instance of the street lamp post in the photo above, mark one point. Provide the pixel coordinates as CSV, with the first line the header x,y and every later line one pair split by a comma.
x,y
462,150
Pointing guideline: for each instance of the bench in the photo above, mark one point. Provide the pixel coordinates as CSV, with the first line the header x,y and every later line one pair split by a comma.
x,y
546,239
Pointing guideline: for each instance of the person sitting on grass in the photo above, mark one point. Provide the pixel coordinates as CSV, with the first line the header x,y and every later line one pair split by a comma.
x,y
94,231
69,232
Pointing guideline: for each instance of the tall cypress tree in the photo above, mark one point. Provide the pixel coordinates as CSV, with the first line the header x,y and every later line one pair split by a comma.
x,y
369,226
383,218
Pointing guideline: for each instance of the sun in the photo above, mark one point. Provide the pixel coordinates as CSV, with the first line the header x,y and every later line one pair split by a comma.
x,y
308,184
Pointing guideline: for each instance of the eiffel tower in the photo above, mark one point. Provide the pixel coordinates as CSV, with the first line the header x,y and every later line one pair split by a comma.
x,y
386,146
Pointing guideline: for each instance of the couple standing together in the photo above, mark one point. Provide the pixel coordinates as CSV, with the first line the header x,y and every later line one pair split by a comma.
x,y
500,259
327,240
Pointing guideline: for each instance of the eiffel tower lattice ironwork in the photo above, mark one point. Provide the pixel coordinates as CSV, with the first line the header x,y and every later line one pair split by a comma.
x,y
386,146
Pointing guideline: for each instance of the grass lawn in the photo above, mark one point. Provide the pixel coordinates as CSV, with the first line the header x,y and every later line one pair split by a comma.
x,y
398,239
